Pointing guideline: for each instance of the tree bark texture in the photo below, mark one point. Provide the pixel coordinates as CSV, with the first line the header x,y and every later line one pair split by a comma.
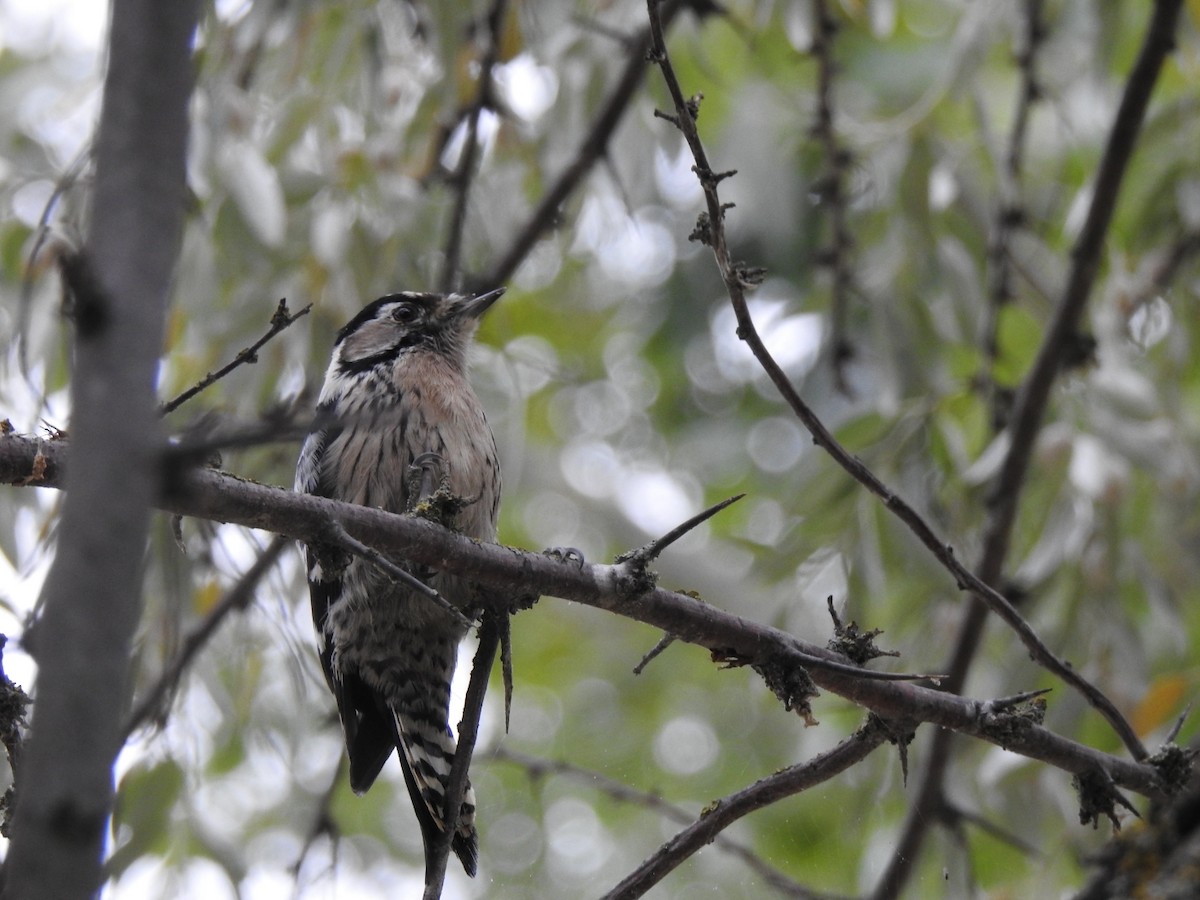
x,y
90,603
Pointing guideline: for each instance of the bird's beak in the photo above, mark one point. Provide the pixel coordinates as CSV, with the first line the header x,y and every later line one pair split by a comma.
x,y
476,306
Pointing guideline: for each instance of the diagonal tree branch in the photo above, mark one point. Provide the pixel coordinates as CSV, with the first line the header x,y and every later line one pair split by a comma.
x,y
1010,213
537,768
724,812
738,278
1034,395
281,319
591,150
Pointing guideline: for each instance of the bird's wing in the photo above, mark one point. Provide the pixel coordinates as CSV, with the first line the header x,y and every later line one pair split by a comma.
x,y
368,726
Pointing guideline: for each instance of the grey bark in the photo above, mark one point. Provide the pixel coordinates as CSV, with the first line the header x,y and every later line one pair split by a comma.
x,y
90,602
208,494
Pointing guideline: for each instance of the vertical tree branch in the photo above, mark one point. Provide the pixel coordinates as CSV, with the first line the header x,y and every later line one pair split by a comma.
x,y
468,731
90,602
1010,214
1030,410
465,170
832,191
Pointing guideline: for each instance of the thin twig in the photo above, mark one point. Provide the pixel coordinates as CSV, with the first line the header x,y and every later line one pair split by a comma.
x,y
663,643
64,184
323,822
1009,213
464,171
537,767
654,549
737,278
468,730
1001,834
282,318
237,598
336,534
723,813
591,149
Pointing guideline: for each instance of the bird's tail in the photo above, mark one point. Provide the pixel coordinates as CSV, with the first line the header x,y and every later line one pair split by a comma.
x,y
426,754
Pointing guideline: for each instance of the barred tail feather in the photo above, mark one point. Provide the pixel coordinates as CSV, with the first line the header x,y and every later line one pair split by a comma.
x,y
426,755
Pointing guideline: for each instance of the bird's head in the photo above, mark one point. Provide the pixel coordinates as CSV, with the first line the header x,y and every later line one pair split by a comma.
x,y
397,323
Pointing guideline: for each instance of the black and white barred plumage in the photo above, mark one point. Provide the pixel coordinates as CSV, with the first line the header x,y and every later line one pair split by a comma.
x,y
396,418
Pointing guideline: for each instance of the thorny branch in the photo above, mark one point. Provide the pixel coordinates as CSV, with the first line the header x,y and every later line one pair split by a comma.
x,y
737,278
465,170
282,318
209,494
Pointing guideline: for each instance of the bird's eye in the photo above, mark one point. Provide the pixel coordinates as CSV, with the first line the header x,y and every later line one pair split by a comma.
x,y
405,313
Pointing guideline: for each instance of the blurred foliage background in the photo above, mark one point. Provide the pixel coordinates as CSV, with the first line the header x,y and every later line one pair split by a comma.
x,y
323,135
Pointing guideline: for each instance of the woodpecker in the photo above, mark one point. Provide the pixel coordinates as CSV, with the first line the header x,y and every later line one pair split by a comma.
x,y
397,422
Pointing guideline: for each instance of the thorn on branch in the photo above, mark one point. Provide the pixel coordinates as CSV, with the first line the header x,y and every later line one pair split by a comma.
x,y
710,179
504,626
664,642
1178,726
659,114
640,557
1099,796
852,642
898,734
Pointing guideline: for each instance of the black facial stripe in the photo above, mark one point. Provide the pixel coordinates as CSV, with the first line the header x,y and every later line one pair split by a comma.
x,y
366,363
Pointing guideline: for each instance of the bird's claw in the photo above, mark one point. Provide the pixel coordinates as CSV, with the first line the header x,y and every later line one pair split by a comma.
x,y
565,554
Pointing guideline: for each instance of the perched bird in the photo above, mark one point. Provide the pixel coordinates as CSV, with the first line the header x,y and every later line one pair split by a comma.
x,y
397,423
